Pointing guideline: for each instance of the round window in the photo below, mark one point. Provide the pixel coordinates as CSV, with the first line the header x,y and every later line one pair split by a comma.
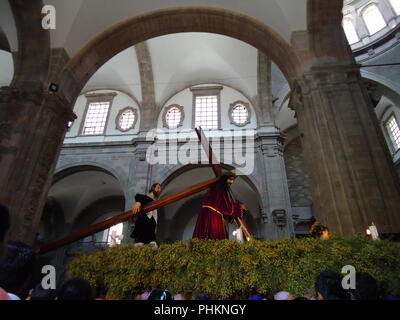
x,y
173,117
126,119
240,114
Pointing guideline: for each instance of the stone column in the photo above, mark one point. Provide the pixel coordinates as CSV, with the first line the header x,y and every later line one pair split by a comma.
x,y
139,179
277,216
353,181
32,128
264,89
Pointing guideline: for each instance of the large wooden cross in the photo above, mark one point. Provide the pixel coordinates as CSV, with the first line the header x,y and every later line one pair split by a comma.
x,y
151,206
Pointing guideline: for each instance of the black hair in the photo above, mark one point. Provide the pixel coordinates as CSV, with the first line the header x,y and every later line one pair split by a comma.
x,y
4,222
17,268
43,294
75,289
329,285
366,287
317,229
223,180
153,186
160,294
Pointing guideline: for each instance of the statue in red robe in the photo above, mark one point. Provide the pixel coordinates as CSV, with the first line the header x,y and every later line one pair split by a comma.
x,y
218,206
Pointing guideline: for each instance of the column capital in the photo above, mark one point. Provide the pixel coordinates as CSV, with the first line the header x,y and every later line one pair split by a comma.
x,y
54,102
332,75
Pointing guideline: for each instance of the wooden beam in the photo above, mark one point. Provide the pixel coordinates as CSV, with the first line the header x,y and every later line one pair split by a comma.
x,y
126,216
212,160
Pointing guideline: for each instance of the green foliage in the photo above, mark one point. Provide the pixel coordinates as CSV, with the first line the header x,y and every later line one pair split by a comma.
x,y
230,269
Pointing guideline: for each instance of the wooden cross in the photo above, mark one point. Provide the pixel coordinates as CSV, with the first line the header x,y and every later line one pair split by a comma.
x,y
150,206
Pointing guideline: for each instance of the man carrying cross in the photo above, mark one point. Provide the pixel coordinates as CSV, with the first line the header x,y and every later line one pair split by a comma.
x,y
218,203
218,206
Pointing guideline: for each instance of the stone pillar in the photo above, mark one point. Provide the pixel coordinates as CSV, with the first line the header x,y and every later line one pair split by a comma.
x,y
139,179
277,216
264,89
353,181
32,128
148,105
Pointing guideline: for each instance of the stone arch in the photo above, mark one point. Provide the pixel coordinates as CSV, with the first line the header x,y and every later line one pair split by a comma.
x,y
101,194
167,21
74,167
390,87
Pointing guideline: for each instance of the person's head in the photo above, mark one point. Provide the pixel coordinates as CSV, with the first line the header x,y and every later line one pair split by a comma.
x,y
328,286
202,296
179,297
4,227
75,289
256,297
160,294
155,189
43,294
317,230
366,287
17,268
283,295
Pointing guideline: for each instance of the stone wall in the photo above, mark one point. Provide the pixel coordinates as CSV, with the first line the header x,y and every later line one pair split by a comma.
x,y
298,179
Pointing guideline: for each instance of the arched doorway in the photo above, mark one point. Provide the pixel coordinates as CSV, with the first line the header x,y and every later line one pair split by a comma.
x,y
79,197
86,195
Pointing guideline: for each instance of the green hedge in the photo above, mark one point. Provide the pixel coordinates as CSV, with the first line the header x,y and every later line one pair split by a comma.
x,y
229,269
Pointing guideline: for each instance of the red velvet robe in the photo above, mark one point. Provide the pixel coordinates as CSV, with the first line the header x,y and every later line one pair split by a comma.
x,y
217,205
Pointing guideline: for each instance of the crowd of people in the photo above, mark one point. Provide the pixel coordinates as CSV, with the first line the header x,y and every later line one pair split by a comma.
x,y
17,267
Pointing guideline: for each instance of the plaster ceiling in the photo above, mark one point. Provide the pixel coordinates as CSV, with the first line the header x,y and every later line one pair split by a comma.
x,y
78,21
120,73
183,59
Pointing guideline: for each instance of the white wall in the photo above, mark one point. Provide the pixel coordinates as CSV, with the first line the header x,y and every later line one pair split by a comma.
x,y
120,101
227,96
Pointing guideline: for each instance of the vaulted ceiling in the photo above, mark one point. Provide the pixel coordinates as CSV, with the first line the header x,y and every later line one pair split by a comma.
x,y
81,20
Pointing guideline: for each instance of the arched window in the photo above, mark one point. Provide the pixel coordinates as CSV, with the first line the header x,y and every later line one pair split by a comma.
x,y
393,130
350,31
373,19
396,6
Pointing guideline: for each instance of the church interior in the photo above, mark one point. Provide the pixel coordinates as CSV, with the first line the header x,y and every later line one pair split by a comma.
x,y
311,86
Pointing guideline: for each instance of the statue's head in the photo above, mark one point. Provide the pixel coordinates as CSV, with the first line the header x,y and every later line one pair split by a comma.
x,y
229,177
